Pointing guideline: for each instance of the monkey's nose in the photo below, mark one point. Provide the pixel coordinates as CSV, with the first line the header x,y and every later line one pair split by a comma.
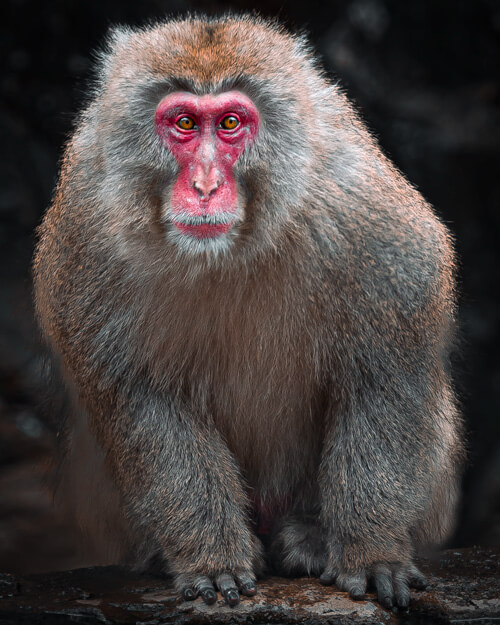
x,y
206,185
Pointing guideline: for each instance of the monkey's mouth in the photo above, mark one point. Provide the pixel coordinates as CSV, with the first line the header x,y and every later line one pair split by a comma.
x,y
203,226
204,230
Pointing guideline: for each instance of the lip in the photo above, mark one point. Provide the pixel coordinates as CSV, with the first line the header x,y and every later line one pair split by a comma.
x,y
203,231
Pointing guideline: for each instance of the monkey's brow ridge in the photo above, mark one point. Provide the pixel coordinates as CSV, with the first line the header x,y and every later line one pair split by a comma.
x,y
240,81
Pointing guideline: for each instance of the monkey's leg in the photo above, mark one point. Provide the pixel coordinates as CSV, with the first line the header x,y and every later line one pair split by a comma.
x,y
299,546
384,453
181,486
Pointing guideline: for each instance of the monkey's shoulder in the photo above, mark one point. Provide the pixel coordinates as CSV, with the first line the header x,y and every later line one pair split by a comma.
x,y
399,254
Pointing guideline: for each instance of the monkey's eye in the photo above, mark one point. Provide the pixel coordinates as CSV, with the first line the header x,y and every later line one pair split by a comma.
x,y
229,122
185,123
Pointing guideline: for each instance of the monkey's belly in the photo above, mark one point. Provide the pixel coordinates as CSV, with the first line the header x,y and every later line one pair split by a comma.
x,y
266,514
278,458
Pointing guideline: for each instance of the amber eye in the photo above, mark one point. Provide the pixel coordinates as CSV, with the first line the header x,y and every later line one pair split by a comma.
x,y
230,122
186,123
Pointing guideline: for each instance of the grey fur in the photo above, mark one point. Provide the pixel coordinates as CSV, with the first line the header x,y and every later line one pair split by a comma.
x,y
301,362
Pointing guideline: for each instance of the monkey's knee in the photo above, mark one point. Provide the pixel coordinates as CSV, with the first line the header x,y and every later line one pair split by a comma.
x,y
298,547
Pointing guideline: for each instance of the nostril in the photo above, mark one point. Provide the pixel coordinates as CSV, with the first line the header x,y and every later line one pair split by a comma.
x,y
206,187
214,187
199,188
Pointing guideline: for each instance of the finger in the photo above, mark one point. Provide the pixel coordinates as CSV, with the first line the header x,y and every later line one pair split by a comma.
x,y
327,578
184,585
383,584
246,582
355,585
329,575
401,590
416,578
228,589
205,589
188,594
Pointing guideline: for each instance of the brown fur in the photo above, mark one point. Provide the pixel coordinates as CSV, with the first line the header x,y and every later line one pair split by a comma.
x,y
305,367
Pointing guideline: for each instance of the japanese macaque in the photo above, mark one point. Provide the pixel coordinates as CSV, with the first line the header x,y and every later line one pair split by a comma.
x,y
254,311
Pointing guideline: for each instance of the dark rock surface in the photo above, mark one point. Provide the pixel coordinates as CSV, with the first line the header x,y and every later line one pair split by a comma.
x,y
464,587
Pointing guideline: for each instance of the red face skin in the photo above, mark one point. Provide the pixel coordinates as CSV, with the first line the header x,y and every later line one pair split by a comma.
x,y
205,186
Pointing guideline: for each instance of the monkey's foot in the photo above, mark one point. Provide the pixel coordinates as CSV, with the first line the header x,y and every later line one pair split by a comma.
x,y
298,548
392,581
230,585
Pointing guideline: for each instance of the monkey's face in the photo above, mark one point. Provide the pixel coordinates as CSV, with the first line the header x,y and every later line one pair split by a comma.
x,y
206,135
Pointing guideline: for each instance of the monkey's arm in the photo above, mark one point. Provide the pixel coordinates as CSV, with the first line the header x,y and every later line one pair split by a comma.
x,y
365,509
180,483
385,455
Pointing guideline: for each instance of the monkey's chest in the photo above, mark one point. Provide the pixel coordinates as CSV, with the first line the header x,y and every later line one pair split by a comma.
x,y
248,365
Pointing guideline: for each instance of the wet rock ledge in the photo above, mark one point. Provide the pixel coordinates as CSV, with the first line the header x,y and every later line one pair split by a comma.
x,y
464,587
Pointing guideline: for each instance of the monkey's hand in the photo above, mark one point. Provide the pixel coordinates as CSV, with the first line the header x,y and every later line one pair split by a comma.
x,y
229,583
392,581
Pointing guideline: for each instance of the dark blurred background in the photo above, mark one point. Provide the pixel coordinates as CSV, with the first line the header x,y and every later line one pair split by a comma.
x,y
426,76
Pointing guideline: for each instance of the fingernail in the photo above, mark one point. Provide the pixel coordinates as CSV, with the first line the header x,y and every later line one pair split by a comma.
x,y
188,594
358,596
232,597
209,596
249,590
